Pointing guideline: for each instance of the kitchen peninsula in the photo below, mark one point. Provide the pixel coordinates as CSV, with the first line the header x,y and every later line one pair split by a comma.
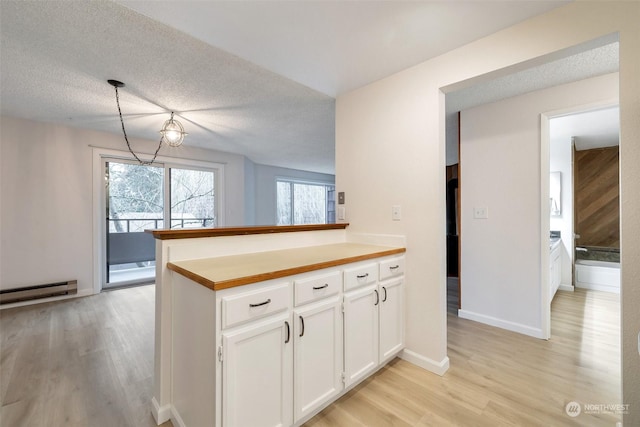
x,y
269,325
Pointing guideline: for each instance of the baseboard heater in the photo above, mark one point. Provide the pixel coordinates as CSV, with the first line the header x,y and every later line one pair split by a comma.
x,y
40,291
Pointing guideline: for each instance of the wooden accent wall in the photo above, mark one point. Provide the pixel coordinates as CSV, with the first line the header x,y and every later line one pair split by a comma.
x,y
597,197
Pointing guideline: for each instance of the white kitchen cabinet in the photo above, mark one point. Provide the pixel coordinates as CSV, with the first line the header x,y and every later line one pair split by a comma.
x,y
391,318
256,374
275,352
317,355
360,332
373,316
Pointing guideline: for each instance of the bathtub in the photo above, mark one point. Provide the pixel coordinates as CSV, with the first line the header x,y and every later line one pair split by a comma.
x,y
598,275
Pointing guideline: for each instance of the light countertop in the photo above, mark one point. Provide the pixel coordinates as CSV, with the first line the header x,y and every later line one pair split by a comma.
x,y
236,270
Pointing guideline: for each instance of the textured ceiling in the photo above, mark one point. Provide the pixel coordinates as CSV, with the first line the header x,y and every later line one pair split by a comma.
x,y
252,78
57,57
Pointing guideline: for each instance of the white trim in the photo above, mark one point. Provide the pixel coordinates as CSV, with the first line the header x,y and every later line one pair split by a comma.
x,y
596,287
160,414
568,288
176,419
545,226
438,368
504,324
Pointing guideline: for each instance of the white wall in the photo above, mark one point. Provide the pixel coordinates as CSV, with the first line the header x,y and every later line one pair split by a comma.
x,y
390,149
500,164
560,160
46,199
265,188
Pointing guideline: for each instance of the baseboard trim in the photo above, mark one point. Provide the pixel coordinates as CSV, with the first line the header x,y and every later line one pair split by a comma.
x,y
160,414
500,323
176,419
602,288
568,288
438,368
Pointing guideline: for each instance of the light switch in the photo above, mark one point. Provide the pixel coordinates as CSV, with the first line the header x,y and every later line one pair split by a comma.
x,y
481,212
341,213
396,212
341,198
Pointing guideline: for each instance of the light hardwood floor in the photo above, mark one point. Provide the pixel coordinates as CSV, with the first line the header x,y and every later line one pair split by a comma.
x,y
88,362
81,362
501,378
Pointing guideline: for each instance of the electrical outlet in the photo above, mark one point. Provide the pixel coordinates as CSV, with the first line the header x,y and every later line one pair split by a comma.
x,y
481,212
396,212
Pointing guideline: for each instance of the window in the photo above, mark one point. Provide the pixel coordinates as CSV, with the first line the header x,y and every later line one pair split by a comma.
x,y
301,202
192,198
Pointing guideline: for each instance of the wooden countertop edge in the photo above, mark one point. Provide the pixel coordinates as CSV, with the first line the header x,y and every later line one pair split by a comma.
x,y
246,280
166,234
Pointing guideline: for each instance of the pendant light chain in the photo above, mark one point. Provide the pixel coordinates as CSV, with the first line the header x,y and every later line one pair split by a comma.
x,y
142,162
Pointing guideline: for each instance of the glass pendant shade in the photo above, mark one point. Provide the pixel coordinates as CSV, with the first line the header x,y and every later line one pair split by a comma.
x,y
172,132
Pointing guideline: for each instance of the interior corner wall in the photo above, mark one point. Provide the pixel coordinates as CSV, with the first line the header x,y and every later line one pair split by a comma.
x,y
390,149
560,160
265,188
46,199
500,165
249,192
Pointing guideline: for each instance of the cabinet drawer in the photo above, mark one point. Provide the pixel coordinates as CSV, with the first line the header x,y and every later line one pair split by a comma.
x,y
360,276
391,267
237,309
318,287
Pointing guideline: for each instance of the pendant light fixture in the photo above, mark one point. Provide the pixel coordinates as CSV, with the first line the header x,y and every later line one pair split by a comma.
x,y
172,132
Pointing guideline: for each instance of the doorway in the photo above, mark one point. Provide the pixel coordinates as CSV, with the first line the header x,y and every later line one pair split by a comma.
x,y
141,197
585,209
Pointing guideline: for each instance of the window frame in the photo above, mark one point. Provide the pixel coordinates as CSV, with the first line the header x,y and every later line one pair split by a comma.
x,y
292,181
100,157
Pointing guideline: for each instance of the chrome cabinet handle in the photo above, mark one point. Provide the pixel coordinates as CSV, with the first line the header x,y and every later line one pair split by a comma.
x,y
260,303
301,326
394,267
377,297
316,288
362,276
288,332
385,294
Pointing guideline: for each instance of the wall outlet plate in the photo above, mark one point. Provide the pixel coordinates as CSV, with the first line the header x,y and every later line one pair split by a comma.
x,y
396,212
481,212
341,198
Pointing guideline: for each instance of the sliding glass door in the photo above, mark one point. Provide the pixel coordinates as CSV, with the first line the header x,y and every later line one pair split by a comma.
x,y
141,197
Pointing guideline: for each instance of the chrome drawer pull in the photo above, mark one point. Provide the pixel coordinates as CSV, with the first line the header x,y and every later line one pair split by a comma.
x,y
260,303
362,276
394,267
316,288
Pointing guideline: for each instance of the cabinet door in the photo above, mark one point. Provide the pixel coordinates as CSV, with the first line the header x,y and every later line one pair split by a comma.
x,y
391,318
317,355
257,374
360,332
